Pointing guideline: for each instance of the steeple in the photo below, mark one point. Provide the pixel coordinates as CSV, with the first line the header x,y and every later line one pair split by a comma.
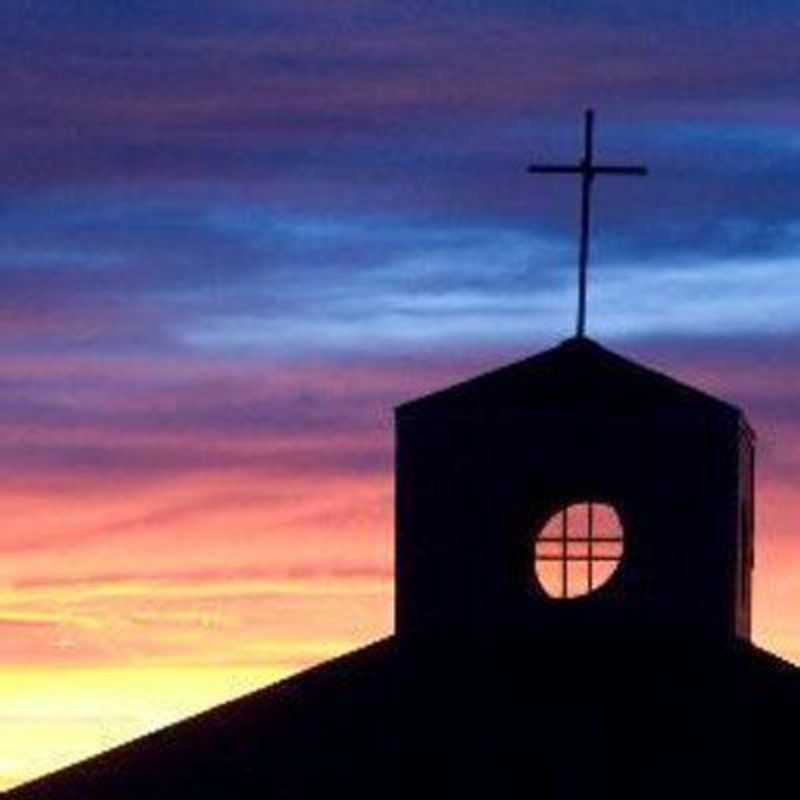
x,y
487,468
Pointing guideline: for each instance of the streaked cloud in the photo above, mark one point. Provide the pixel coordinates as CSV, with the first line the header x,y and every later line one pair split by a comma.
x,y
232,238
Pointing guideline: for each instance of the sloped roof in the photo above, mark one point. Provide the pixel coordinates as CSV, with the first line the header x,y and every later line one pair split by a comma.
x,y
577,374
625,718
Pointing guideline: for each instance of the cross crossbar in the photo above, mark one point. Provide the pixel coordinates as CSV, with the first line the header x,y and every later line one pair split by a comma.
x,y
570,169
587,169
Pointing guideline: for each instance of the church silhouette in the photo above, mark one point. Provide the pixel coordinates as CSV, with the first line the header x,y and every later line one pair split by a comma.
x,y
574,554
574,557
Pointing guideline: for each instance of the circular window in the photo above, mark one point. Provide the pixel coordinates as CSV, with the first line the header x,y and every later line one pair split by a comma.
x,y
578,549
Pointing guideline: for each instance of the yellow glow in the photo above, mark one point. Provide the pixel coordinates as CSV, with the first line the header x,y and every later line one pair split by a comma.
x,y
125,611
112,659
57,717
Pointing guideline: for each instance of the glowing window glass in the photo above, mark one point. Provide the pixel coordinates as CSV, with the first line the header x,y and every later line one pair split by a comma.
x,y
578,549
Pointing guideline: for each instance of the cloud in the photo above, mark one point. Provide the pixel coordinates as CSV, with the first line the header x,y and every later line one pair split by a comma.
x,y
350,175
212,578
234,235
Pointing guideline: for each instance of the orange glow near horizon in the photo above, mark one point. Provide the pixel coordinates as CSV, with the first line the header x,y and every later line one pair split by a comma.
x,y
236,236
128,603
91,662
116,628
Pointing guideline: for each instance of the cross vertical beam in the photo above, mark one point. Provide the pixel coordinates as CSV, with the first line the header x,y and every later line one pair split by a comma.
x,y
587,178
587,169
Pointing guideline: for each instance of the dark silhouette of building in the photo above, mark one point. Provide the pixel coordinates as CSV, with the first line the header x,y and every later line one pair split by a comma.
x,y
574,555
482,466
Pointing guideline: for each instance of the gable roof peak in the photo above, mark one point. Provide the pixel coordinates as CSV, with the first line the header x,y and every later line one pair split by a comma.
x,y
579,374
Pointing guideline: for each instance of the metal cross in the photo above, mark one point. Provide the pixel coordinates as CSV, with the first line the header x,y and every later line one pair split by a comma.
x,y
587,170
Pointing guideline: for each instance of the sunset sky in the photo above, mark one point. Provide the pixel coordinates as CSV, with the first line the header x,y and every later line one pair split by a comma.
x,y
235,233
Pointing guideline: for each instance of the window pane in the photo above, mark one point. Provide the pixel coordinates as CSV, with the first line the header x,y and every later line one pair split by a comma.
x,y
552,529
602,571
549,575
577,578
605,521
582,549
607,549
549,550
578,521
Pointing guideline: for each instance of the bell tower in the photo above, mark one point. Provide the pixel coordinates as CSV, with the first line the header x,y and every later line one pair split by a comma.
x,y
574,487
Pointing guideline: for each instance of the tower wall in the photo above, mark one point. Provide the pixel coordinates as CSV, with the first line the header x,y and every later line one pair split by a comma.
x,y
473,489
